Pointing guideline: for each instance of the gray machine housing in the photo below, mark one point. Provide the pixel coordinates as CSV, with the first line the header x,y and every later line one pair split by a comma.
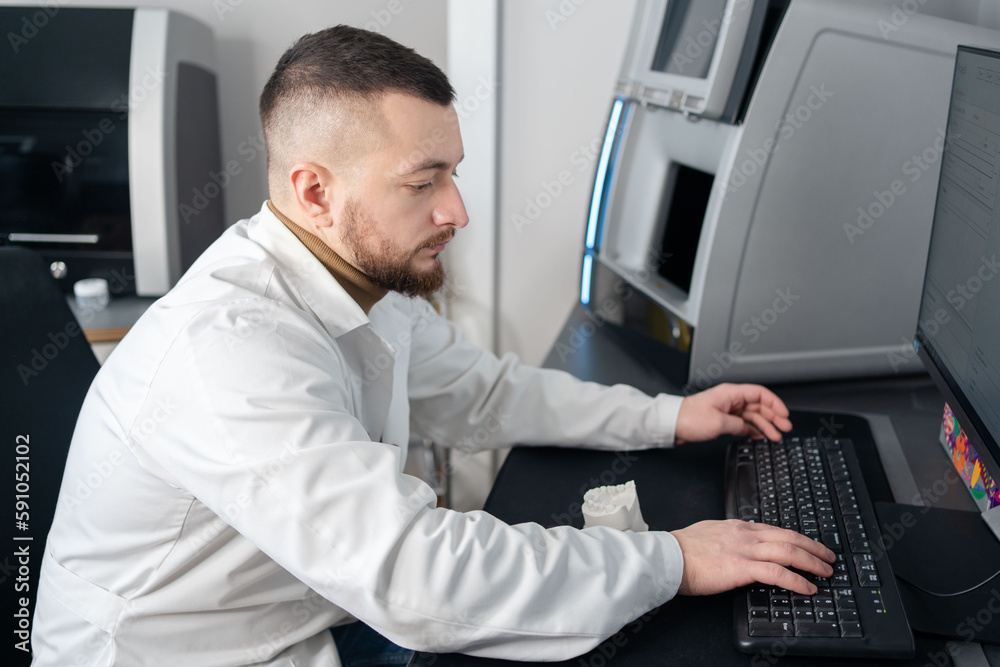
x,y
151,71
810,260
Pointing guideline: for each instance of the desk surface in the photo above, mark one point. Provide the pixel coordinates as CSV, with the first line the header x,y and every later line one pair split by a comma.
x,y
912,403
113,322
689,631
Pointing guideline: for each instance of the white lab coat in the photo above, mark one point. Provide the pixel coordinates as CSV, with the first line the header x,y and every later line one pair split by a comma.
x,y
234,484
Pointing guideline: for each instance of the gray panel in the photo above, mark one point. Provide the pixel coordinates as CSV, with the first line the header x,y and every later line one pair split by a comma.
x,y
776,228
855,137
200,177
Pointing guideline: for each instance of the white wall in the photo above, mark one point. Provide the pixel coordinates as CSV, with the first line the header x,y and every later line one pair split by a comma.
x,y
473,37
559,63
252,34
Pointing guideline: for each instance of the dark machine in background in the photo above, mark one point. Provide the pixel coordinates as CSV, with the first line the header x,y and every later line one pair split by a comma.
x,y
109,138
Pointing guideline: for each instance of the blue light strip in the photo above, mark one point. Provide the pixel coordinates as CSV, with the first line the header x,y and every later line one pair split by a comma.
x,y
585,286
602,172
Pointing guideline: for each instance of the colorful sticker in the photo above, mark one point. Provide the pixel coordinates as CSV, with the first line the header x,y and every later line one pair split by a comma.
x,y
966,461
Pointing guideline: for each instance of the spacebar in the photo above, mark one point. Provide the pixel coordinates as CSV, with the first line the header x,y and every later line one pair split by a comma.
x,y
746,489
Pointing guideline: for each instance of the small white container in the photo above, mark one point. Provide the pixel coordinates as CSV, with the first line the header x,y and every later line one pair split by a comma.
x,y
92,293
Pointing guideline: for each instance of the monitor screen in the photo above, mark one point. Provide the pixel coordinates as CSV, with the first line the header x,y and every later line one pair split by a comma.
x,y
64,179
688,37
698,56
958,331
686,197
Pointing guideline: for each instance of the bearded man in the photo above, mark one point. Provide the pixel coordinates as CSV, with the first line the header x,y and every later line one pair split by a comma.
x,y
256,419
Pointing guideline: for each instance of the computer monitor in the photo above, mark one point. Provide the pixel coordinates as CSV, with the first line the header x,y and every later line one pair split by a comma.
x,y
958,331
946,560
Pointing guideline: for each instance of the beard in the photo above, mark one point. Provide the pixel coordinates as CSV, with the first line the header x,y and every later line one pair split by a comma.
x,y
385,263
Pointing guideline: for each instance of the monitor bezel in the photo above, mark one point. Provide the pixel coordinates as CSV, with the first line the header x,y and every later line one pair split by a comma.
x,y
972,425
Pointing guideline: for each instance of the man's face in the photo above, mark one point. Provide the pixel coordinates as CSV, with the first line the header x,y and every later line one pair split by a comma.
x,y
405,206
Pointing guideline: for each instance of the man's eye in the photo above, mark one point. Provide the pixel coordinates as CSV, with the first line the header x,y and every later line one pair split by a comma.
x,y
420,187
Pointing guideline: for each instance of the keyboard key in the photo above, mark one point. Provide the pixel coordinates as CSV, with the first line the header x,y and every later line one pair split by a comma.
x,y
817,630
823,604
856,536
771,628
845,602
866,568
826,616
780,601
831,541
851,630
757,598
848,615
803,615
746,484
869,579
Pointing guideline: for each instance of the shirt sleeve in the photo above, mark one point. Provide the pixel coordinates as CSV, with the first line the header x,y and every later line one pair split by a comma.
x,y
262,421
464,396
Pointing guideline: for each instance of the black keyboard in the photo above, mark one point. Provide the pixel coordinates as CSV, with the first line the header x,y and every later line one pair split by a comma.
x,y
816,488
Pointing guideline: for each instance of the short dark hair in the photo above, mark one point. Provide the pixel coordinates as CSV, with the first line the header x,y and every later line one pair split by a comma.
x,y
327,90
349,62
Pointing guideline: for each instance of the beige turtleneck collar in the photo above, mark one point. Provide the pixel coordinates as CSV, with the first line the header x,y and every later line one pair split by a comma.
x,y
355,283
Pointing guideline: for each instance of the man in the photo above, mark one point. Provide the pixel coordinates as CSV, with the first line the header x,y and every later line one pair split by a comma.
x,y
251,428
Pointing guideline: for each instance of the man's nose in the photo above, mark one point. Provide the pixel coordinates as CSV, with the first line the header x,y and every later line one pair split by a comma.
x,y
451,209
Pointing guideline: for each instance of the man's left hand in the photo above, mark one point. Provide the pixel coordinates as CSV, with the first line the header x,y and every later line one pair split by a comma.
x,y
733,409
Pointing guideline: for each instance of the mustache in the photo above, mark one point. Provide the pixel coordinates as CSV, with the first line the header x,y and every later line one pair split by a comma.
x,y
443,237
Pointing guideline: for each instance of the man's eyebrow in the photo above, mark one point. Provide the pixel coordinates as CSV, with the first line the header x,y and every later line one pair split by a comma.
x,y
430,164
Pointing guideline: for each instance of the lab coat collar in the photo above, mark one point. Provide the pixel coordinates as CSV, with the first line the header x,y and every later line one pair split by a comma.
x,y
328,300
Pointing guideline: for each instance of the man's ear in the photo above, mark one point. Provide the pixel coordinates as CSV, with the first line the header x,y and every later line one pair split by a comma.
x,y
313,189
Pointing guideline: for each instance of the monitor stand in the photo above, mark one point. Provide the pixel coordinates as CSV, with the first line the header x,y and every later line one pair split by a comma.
x,y
992,519
947,565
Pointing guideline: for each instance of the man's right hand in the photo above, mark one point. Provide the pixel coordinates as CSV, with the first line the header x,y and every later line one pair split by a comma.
x,y
722,555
